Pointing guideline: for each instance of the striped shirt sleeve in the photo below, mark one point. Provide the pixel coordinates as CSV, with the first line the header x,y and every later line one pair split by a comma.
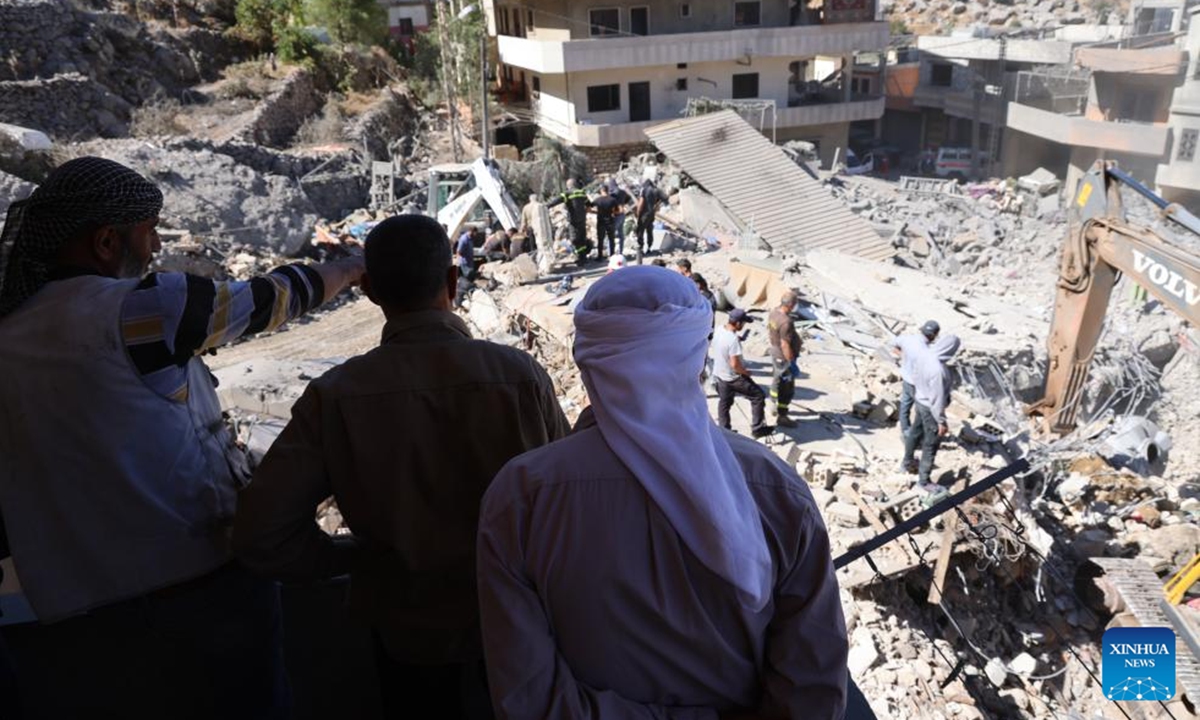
x,y
169,318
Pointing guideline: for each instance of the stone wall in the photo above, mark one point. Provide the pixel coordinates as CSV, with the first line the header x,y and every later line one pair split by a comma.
x,y
390,119
66,107
281,115
608,159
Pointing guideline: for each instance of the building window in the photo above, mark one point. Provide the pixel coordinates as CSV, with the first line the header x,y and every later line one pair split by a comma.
x,y
745,86
639,20
685,10
536,83
602,98
406,27
941,74
529,19
1187,145
681,66
606,21
681,84
747,14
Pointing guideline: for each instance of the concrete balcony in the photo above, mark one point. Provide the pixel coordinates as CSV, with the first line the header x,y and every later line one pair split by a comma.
x,y
609,134
1135,138
565,56
960,103
1182,175
1042,52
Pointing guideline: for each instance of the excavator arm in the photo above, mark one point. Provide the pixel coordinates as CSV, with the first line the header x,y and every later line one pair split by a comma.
x,y
1100,245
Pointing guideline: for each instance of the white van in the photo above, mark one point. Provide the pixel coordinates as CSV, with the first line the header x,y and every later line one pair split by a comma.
x,y
953,162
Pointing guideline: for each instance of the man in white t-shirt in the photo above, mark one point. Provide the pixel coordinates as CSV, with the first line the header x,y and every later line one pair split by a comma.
x,y
732,378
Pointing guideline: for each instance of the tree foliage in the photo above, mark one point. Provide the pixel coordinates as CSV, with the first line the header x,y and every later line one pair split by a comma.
x,y
351,21
262,21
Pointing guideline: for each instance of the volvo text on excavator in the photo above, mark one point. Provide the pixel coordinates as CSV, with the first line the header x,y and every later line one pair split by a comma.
x,y
1100,245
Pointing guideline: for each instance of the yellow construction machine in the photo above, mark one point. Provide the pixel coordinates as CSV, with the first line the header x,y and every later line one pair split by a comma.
x,y
1100,245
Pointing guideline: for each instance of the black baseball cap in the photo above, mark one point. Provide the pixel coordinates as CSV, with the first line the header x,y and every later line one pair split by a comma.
x,y
739,315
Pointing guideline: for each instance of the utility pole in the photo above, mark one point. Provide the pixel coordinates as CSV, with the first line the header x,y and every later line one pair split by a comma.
x,y
447,83
999,109
483,94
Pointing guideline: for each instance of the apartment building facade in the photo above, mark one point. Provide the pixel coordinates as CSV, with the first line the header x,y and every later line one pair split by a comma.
x,y
596,74
1136,102
406,19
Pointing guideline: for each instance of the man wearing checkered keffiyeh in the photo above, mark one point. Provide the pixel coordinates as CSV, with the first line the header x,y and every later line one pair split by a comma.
x,y
119,477
84,193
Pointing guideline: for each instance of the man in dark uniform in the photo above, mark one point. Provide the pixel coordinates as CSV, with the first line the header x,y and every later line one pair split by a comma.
x,y
606,206
785,347
647,205
577,203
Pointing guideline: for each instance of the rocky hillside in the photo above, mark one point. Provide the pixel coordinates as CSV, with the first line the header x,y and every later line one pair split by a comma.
x,y
935,17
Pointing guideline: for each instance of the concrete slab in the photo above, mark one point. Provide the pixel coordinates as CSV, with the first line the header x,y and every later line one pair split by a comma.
x,y
913,297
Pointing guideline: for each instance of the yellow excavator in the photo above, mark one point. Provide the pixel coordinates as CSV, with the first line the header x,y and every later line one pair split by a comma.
x,y
1100,245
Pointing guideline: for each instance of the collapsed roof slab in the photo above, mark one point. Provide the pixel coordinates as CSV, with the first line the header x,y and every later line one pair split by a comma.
x,y
760,185
914,297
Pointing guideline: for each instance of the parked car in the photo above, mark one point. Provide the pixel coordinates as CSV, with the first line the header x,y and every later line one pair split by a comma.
x,y
856,165
953,162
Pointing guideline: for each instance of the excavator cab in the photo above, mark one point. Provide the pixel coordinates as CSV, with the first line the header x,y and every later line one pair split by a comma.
x,y
1100,245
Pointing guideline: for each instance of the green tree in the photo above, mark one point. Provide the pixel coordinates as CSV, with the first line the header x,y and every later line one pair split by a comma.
x,y
351,21
263,21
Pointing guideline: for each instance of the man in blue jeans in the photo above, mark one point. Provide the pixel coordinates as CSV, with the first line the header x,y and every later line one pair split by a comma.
x,y
931,393
907,348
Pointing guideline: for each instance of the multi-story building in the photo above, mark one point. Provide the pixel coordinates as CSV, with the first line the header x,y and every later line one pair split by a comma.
x,y
596,74
407,18
962,85
1135,101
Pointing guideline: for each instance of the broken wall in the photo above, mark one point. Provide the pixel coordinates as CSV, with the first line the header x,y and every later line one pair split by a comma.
x,y
281,115
827,138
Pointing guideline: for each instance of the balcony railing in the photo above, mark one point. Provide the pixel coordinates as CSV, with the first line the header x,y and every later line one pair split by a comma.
x,y
564,56
861,107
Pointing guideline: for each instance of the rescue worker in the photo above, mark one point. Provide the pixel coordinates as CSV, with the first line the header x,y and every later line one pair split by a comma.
x,y
606,207
931,382
647,206
908,348
732,377
785,348
623,202
577,203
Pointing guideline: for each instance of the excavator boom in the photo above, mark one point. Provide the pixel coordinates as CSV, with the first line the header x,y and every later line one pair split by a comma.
x,y
1100,245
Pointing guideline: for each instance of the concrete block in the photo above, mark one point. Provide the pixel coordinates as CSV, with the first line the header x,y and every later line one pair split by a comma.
x,y
844,514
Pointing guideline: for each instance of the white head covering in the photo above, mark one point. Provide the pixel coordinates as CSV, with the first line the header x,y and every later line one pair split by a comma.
x,y
641,336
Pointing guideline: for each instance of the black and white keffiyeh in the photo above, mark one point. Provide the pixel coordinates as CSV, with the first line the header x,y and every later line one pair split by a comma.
x,y
82,192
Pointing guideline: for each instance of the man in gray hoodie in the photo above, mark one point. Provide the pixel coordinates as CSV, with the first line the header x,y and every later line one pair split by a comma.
x,y
931,385
907,348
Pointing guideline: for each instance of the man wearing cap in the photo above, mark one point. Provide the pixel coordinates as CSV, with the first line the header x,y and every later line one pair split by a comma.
x,y
119,476
907,348
650,564
931,395
732,378
785,348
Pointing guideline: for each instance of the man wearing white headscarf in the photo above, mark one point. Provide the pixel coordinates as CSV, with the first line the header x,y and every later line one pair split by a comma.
x,y
651,564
